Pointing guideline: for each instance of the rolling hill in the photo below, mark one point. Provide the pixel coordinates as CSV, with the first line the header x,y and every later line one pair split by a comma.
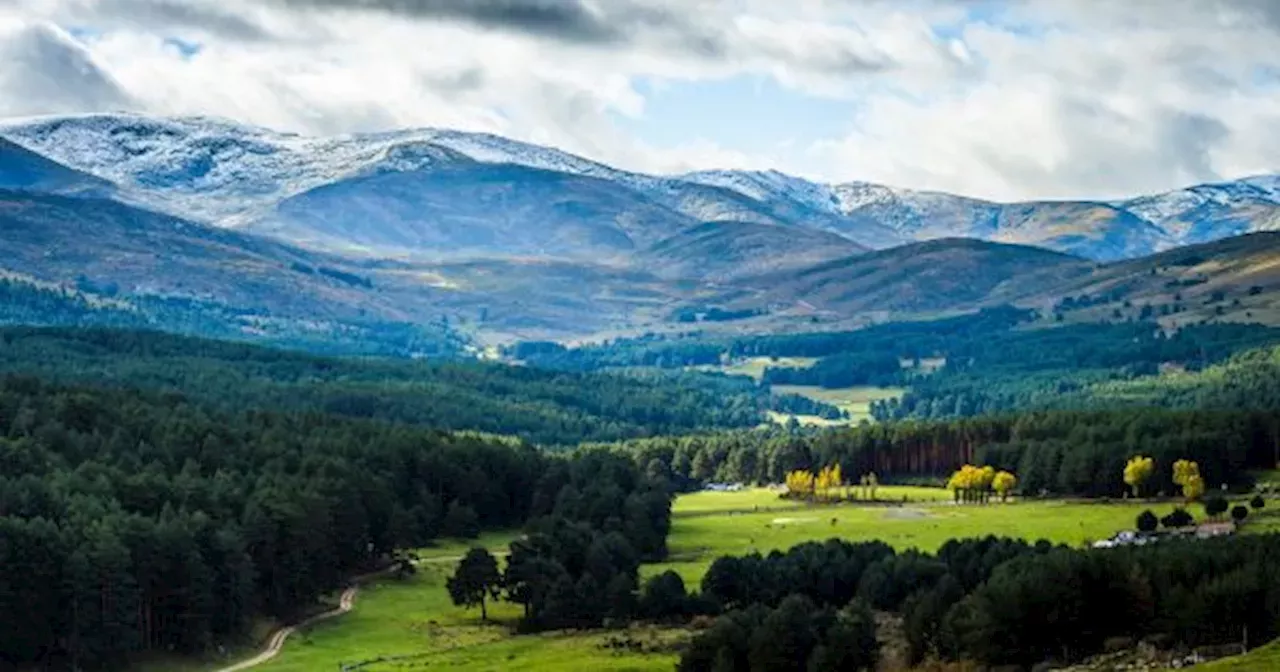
x,y
186,277
939,275
1236,279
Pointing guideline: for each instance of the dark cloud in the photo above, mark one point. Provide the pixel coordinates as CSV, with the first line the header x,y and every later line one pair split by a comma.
x,y
569,20
182,14
609,22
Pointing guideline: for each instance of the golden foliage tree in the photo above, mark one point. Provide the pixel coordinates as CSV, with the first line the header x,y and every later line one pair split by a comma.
x,y
800,483
827,480
1187,474
1004,483
1137,472
972,483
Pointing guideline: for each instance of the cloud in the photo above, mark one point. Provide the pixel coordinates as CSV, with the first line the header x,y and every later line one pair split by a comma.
x,y
1008,100
570,20
48,69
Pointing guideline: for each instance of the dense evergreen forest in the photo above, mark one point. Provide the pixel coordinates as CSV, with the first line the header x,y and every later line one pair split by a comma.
x,y
992,601
91,305
1060,452
541,406
134,522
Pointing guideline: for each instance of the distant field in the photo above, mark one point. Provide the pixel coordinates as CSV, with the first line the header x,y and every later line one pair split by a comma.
x,y
856,401
768,499
755,366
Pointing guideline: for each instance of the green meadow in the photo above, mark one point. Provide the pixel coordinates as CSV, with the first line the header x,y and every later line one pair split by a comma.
x,y
411,624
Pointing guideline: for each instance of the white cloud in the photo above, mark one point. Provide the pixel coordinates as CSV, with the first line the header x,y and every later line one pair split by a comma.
x,y
1047,99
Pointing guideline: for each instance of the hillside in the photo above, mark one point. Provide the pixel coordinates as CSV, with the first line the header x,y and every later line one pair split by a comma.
x,y
459,208
23,169
191,278
940,275
355,189
728,251
1237,279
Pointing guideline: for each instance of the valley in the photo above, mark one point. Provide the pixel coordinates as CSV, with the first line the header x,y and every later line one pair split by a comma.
x,y
487,405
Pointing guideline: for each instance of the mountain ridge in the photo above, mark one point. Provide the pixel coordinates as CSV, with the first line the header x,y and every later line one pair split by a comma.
x,y
233,175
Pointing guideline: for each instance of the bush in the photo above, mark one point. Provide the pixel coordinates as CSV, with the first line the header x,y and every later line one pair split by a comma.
x,y
1239,512
1258,502
1147,521
1178,518
1215,506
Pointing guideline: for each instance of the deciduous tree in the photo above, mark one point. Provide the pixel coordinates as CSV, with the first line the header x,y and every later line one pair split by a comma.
x,y
1137,472
476,581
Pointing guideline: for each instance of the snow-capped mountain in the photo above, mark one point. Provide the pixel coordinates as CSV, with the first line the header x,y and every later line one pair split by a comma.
x,y
441,192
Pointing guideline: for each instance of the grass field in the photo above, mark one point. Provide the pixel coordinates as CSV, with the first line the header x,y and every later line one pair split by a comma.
x,y
413,619
927,521
755,366
856,401
411,624
1262,659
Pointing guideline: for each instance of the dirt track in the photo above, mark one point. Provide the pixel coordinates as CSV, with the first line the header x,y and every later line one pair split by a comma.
x,y
278,638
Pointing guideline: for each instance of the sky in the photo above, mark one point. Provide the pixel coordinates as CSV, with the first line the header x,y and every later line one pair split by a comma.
x,y
1015,100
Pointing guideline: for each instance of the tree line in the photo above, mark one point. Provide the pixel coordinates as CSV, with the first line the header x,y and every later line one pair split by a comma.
x,y
1060,452
134,521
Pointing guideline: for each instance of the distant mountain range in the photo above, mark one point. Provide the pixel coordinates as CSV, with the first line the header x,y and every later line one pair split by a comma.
x,y
437,193
518,240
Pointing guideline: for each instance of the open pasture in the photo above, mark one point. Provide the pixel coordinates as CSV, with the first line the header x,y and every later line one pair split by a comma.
x,y
856,401
927,521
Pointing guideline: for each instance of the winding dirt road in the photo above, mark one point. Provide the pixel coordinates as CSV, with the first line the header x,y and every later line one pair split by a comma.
x,y
345,604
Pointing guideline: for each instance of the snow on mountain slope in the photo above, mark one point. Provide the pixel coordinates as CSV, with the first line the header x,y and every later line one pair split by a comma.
x,y
229,174
769,185
1211,211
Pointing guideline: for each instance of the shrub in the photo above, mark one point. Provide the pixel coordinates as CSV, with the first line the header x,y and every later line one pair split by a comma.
x,y
1239,512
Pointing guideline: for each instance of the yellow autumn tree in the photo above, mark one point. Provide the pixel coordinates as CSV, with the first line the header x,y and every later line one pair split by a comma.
x,y
1194,487
986,477
872,484
800,483
1004,483
967,482
1187,474
1138,471
828,479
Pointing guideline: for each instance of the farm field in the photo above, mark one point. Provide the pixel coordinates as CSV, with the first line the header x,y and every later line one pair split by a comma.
x,y
856,401
414,618
755,366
